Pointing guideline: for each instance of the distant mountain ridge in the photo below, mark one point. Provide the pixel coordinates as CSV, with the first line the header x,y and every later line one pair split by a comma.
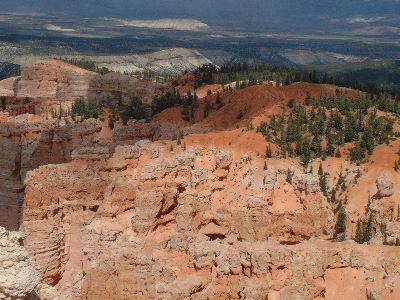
x,y
293,15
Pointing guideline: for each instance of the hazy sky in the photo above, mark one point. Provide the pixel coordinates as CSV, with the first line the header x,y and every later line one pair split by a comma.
x,y
260,13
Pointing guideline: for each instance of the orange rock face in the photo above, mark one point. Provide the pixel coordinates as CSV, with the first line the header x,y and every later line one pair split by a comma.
x,y
134,212
26,143
51,84
148,223
55,80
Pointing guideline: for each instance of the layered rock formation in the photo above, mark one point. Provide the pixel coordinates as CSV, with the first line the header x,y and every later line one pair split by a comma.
x,y
50,85
201,223
45,86
166,209
25,144
55,80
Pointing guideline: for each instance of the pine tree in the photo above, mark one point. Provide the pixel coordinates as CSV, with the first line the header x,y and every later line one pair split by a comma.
x,y
262,128
333,196
316,146
367,141
330,149
135,110
323,181
338,207
357,154
306,153
337,121
368,203
359,233
268,152
368,229
320,170
350,133
340,226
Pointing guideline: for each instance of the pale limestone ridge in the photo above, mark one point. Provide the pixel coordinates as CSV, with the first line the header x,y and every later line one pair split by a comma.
x,y
173,24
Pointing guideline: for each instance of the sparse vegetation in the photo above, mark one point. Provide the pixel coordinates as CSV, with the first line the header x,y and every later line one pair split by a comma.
x,y
364,231
167,100
134,110
83,108
86,109
315,130
87,65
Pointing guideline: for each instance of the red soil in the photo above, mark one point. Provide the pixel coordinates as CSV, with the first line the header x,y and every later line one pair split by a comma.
x,y
255,104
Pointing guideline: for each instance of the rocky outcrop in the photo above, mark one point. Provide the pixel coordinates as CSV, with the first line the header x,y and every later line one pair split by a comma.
x,y
49,85
8,86
18,276
25,144
110,215
119,226
55,80
44,87
384,185
141,130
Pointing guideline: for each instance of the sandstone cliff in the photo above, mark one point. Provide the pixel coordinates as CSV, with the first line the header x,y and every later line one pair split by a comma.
x,y
167,209
201,223
55,80
26,143
49,85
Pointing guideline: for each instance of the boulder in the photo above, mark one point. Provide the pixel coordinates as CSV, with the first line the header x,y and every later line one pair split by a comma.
x,y
384,185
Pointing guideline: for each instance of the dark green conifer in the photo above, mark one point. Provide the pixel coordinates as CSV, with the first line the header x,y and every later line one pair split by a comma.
x,y
368,229
359,233
340,226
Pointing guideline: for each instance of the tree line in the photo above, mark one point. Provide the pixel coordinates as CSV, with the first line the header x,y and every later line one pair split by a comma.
x,y
87,65
252,74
